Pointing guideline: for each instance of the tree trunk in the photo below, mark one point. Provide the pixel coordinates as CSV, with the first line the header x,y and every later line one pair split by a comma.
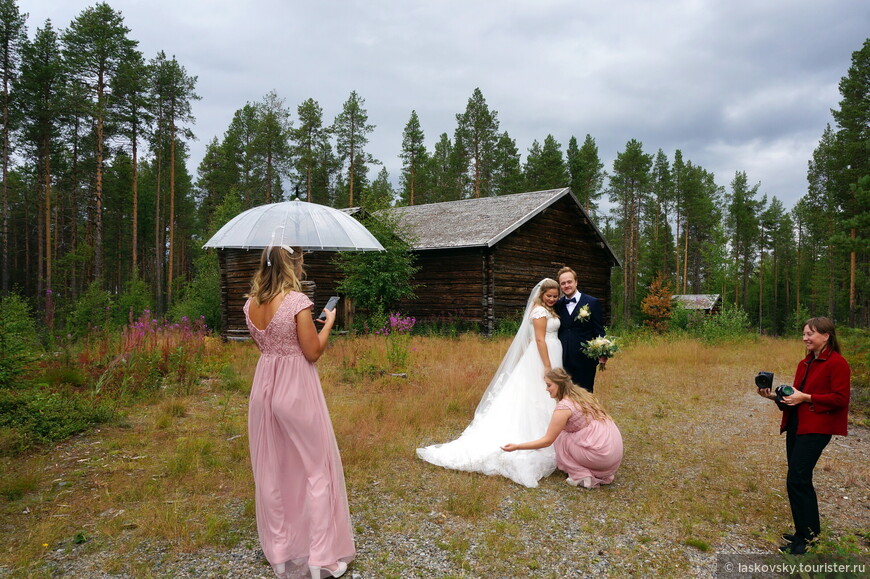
x,y
158,241
686,256
853,267
49,302
135,206
98,188
170,265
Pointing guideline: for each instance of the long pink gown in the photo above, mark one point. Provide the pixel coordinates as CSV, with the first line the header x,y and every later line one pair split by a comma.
x,y
588,448
301,502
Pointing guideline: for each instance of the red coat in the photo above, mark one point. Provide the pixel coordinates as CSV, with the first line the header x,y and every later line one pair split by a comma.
x,y
828,384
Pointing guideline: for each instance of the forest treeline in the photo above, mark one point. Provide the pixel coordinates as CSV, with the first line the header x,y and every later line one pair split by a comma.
x,y
97,196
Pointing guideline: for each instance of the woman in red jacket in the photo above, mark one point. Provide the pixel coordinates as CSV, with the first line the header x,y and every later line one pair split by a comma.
x,y
818,409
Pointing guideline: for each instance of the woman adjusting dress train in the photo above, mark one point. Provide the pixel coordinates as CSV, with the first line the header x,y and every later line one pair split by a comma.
x,y
301,503
515,405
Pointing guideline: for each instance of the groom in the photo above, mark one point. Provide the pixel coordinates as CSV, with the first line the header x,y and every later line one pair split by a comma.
x,y
581,321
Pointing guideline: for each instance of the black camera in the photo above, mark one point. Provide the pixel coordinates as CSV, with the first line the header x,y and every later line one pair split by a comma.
x,y
765,380
783,390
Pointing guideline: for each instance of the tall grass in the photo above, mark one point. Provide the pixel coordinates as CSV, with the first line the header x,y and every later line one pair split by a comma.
x,y
704,466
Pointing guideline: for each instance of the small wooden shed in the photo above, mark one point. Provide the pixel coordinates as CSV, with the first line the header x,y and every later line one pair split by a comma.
x,y
709,304
478,259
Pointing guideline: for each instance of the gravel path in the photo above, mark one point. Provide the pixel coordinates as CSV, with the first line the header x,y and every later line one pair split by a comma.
x,y
578,537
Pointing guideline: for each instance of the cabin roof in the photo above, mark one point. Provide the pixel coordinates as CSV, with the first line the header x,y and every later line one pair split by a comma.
x,y
480,222
696,301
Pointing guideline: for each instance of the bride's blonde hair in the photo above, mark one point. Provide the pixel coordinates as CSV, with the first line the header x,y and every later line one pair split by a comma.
x,y
546,285
586,402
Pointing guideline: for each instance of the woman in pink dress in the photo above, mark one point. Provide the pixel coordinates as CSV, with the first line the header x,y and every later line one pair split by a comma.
x,y
302,515
587,442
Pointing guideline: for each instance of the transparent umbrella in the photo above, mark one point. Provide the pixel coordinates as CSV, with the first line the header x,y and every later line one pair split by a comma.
x,y
296,223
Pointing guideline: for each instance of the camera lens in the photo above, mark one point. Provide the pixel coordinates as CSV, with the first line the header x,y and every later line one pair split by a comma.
x,y
764,380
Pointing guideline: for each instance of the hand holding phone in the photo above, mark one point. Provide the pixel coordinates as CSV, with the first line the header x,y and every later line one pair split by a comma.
x,y
330,305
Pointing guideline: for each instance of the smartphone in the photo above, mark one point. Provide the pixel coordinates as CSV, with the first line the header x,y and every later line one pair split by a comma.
x,y
330,305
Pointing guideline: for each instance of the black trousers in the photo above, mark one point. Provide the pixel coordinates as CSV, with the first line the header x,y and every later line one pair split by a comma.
x,y
582,370
802,452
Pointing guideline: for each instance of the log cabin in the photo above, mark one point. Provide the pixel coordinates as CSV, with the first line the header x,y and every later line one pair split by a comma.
x,y
478,259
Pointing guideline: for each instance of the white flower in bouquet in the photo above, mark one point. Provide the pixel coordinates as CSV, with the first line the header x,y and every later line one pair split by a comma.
x,y
600,347
583,314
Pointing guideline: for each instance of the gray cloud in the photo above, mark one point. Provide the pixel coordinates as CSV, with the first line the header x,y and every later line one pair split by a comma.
x,y
738,86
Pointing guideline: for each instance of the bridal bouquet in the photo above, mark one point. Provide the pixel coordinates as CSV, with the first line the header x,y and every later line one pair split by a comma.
x,y
600,347
583,314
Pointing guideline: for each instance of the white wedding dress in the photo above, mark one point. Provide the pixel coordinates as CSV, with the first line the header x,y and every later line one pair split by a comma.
x,y
514,408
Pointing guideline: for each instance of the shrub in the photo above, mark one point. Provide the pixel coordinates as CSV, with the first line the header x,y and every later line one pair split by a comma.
x,y
18,338
136,298
31,417
92,310
202,296
732,323
656,306
377,280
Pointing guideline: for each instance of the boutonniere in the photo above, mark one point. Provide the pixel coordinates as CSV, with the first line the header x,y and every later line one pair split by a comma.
x,y
582,314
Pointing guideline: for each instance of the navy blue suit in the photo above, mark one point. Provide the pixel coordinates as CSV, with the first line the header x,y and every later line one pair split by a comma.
x,y
574,333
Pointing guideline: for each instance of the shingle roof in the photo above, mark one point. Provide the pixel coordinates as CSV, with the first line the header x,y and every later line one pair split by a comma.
x,y
474,222
696,301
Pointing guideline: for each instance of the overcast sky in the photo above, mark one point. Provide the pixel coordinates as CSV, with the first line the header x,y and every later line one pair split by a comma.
x,y
737,85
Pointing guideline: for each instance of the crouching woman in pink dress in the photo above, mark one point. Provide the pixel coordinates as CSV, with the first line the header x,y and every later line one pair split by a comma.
x,y
302,513
587,442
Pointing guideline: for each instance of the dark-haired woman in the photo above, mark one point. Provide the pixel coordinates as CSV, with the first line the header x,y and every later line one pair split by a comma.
x,y
301,503
818,409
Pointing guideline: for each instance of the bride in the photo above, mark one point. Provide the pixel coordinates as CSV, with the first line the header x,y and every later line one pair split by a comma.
x,y
515,404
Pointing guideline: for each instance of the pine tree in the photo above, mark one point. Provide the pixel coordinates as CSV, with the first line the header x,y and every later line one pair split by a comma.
x,y
663,193
239,149
351,131
40,95
174,90
310,141
508,175
132,106
586,173
95,45
271,146
533,170
554,174
13,35
743,228
630,189
441,169
853,122
380,194
414,159
478,132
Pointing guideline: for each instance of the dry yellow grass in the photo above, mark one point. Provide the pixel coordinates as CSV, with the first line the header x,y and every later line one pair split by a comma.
x,y
704,469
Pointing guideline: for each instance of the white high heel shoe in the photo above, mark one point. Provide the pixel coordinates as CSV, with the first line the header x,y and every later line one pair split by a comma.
x,y
315,571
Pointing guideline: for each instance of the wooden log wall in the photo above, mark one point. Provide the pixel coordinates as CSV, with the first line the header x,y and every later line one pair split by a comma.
x,y
237,267
449,286
557,237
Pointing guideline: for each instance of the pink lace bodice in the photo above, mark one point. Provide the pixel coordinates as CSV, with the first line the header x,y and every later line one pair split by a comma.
x,y
578,420
279,338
